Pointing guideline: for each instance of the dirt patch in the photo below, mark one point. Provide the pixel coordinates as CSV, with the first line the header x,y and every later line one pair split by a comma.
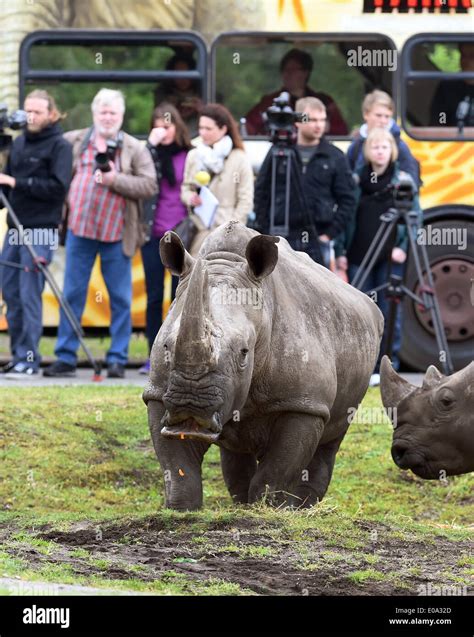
x,y
259,559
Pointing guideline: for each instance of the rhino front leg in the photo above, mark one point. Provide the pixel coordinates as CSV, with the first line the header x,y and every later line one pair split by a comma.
x,y
238,470
293,442
180,461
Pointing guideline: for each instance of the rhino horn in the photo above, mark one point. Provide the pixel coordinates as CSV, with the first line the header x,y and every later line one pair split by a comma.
x,y
193,345
393,387
432,377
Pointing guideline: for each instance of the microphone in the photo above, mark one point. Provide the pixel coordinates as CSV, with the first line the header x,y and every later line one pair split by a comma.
x,y
201,178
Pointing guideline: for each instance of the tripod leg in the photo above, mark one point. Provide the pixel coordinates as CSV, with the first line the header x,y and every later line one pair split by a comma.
x,y
372,254
390,327
54,287
428,294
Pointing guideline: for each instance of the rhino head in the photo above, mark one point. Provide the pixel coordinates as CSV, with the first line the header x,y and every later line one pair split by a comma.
x,y
433,424
204,356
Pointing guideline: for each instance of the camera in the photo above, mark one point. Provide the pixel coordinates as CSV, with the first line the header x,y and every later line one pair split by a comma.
x,y
404,192
280,119
102,159
14,121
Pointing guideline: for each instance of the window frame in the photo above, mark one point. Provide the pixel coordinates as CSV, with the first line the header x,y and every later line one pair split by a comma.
x,y
112,37
407,73
302,37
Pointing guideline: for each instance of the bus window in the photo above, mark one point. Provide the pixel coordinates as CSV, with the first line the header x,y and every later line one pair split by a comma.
x,y
251,69
148,70
438,87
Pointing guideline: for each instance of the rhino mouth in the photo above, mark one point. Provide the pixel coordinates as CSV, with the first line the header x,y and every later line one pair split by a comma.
x,y
405,458
189,427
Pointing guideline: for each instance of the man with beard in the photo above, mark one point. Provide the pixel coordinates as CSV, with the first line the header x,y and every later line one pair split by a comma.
x,y
104,219
36,179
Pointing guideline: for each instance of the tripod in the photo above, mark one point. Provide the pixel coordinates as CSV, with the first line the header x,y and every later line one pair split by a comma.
x,y
41,266
395,290
280,154
282,162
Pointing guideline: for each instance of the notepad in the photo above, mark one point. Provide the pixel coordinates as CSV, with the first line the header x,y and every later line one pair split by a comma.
x,y
207,210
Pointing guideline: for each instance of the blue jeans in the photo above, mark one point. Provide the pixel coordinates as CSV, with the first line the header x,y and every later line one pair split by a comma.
x,y
116,269
154,281
22,293
378,276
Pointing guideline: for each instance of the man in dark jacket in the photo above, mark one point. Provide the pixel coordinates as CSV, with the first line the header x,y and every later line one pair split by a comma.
x,y
36,179
322,199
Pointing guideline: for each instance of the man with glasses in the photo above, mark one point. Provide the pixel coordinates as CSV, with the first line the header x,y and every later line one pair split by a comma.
x,y
322,199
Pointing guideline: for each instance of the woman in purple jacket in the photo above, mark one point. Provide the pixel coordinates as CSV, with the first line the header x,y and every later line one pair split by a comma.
x,y
168,144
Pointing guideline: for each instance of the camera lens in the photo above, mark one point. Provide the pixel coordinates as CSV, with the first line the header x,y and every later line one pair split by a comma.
x,y
102,162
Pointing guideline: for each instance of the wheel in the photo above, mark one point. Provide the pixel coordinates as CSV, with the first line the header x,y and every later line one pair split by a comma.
x,y
453,274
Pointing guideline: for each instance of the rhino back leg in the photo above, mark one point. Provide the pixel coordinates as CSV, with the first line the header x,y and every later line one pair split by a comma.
x,y
180,461
238,470
292,444
315,480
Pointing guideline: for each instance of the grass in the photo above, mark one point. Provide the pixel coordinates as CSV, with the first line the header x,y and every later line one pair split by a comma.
x,y
69,454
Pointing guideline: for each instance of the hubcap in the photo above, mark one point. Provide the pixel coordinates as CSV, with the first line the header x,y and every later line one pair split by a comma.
x,y
452,280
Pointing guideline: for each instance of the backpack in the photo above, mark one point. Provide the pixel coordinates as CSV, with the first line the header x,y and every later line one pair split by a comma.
x,y
357,147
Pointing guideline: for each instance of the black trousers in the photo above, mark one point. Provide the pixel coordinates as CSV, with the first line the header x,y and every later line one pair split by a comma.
x,y
154,282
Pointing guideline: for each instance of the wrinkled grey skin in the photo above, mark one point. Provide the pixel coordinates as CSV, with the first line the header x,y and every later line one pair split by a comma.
x,y
271,383
434,424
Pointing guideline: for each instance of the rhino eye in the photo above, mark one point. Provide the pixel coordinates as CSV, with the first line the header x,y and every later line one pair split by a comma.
x,y
446,400
244,351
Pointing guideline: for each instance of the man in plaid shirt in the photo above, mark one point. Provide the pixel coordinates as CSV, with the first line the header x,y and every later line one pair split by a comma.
x,y
104,219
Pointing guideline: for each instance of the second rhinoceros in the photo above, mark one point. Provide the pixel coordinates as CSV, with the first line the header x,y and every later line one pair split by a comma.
x,y
434,424
264,353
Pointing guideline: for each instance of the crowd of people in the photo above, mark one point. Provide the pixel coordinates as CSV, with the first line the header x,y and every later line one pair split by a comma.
x,y
142,191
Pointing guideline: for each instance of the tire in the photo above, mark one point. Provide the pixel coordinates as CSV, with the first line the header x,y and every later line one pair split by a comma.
x,y
453,271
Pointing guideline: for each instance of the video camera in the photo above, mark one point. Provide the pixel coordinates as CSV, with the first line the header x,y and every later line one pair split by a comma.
x,y
404,192
280,119
14,121
102,159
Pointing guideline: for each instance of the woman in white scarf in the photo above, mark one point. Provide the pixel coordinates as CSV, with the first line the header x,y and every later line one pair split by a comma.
x,y
221,155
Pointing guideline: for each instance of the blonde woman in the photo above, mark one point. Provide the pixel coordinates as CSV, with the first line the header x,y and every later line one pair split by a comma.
x,y
377,111
376,179
222,157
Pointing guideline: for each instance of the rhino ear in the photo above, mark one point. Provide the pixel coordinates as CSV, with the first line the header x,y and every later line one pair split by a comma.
x,y
393,387
432,377
262,255
174,255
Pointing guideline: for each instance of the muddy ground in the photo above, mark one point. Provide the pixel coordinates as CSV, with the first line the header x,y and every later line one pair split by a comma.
x,y
249,555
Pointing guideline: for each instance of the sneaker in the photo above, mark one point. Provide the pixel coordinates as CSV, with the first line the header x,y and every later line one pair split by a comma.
x,y
115,370
21,371
8,367
145,369
374,380
60,368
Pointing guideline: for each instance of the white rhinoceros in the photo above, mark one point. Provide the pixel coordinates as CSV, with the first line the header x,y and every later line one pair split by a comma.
x,y
264,353
434,424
